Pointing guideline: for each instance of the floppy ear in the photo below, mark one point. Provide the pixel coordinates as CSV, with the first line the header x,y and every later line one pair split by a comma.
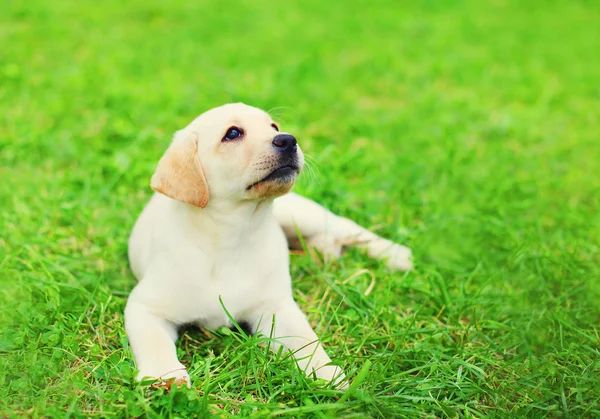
x,y
179,174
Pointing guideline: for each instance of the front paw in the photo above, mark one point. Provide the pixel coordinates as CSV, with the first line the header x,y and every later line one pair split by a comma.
x,y
177,377
397,257
333,374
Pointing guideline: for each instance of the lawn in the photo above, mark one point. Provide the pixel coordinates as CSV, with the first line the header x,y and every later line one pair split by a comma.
x,y
468,130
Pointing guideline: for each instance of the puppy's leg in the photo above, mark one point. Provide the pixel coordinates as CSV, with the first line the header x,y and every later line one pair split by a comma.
x,y
290,328
152,340
329,233
351,234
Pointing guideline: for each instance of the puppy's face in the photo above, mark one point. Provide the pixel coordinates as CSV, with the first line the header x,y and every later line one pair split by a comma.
x,y
233,152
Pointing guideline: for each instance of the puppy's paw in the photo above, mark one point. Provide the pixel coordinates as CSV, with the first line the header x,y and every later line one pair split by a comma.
x,y
178,378
396,256
333,374
170,382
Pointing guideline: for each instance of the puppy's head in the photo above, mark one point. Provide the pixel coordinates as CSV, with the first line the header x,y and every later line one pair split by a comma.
x,y
234,152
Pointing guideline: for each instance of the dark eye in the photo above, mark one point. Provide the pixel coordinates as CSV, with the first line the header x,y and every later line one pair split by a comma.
x,y
275,127
233,133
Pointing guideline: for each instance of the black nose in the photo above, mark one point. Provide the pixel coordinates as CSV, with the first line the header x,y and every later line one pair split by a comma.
x,y
285,143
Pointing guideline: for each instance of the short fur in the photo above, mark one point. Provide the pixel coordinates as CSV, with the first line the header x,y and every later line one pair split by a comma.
x,y
215,235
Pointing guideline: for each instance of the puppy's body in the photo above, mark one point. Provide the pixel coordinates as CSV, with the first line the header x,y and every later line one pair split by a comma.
x,y
207,259
210,259
196,257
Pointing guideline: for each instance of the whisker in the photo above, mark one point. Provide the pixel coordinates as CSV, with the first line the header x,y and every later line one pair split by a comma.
x,y
277,114
311,170
314,163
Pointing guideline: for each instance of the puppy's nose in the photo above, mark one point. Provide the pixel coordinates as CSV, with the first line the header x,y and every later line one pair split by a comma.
x,y
285,143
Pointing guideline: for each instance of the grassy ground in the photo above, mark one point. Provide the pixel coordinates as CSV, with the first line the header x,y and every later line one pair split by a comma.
x,y
467,130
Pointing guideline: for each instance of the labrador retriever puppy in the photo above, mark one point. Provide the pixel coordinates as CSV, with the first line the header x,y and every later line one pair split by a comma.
x,y
214,240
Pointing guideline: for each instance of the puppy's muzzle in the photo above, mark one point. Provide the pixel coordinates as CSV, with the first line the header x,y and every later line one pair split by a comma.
x,y
285,164
287,147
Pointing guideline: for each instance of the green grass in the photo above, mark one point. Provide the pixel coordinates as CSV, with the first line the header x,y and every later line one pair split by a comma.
x,y
469,131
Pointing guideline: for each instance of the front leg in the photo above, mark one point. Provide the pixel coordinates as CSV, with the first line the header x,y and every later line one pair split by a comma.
x,y
289,327
330,233
152,340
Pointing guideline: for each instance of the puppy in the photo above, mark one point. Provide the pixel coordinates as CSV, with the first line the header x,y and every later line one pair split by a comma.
x,y
215,237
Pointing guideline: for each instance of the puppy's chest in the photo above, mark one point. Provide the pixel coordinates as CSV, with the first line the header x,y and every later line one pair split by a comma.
x,y
231,274
238,281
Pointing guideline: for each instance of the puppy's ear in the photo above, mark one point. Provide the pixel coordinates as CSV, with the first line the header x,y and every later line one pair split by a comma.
x,y
179,174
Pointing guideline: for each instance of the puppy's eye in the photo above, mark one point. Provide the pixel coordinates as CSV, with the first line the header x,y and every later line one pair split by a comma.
x,y
275,127
233,133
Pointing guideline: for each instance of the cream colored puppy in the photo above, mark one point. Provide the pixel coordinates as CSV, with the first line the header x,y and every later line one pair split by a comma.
x,y
213,239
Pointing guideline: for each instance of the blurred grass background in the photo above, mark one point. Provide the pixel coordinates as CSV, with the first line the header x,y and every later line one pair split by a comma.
x,y
467,130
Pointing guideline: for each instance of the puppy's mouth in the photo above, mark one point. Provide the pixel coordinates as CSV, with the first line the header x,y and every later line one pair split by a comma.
x,y
283,174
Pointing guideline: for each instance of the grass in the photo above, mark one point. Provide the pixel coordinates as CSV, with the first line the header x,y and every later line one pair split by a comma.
x,y
467,130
